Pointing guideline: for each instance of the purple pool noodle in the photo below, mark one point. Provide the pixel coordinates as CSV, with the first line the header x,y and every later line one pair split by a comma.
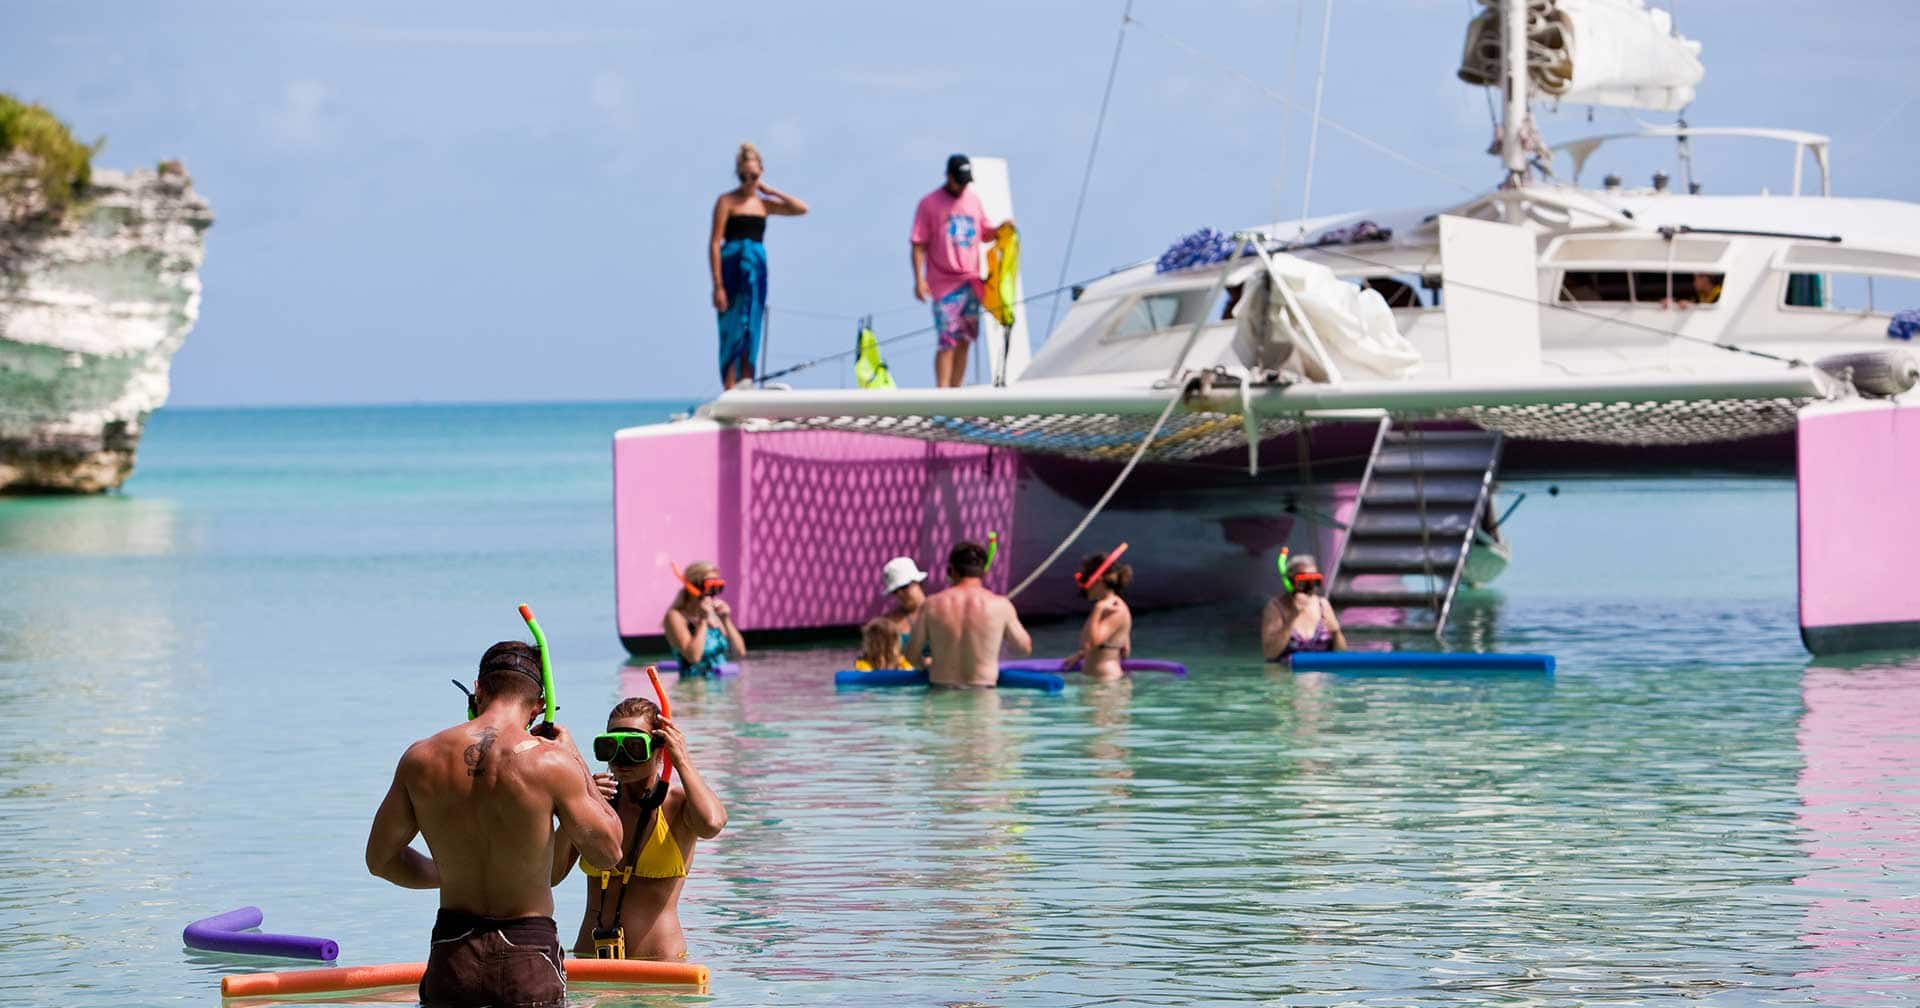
x,y
228,932
1126,665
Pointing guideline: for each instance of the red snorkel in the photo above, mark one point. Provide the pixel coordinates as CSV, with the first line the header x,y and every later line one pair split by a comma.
x,y
1100,571
666,710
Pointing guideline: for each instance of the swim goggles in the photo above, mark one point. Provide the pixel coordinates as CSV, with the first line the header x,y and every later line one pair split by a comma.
x,y
623,747
1307,579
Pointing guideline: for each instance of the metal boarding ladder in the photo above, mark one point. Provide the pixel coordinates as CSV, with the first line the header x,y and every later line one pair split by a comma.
x,y
1420,501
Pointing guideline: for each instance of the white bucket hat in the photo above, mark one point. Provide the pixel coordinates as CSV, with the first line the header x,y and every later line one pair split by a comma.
x,y
901,572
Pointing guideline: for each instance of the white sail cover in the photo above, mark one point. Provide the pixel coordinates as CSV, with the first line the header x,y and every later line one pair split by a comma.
x,y
1348,330
1592,52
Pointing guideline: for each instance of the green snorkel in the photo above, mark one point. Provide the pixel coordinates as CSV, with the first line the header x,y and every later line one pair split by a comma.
x,y
1280,562
546,660
546,670
993,548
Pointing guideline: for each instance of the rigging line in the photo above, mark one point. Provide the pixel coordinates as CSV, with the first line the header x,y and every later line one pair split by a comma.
x,y
922,331
1349,133
1571,310
1286,121
1313,131
1173,402
1086,177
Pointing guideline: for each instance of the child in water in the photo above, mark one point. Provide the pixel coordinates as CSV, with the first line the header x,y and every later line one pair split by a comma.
x,y
1108,636
633,908
880,647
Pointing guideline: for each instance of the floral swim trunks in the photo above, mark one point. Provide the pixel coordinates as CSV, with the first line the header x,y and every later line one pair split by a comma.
x,y
956,316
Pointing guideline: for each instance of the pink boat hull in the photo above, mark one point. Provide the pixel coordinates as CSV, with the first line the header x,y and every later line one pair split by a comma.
x,y
801,522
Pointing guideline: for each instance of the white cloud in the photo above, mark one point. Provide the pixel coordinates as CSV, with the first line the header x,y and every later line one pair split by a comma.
x,y
303,120
914,80
786,141
612,96
480,37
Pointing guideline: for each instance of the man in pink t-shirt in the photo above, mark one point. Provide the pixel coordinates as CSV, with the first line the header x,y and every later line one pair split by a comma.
x,y
948,229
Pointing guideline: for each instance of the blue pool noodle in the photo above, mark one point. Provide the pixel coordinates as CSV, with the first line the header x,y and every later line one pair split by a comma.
x,y
1010,678
228,932
1388,662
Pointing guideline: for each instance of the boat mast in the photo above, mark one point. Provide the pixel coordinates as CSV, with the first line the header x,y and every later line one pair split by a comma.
x,y
1513,51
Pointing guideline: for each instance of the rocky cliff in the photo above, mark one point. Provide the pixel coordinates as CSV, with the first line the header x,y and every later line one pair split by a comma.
x,y
94,301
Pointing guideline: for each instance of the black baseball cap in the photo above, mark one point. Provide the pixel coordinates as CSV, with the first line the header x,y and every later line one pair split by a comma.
x,y
959,168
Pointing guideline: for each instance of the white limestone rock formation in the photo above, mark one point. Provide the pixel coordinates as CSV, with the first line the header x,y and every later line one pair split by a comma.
x,y
93,304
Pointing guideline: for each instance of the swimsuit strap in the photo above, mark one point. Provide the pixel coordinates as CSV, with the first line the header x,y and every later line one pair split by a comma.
x,y
651,807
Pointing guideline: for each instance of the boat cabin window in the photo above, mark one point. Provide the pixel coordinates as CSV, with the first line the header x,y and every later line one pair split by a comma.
x,y
1154,312
1402,291
1861,293
1640,287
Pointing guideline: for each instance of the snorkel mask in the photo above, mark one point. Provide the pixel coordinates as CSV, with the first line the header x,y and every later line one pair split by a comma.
x,y
1305,581
624,747
707,588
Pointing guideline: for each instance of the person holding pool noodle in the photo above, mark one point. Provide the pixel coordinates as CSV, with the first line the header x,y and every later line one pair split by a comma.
x,y
632,909
1107,638
485,793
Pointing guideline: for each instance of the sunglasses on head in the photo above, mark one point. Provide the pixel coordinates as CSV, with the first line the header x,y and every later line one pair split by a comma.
x,y
623,747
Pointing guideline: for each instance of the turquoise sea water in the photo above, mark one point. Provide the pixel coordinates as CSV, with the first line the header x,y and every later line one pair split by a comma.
x,y
210,676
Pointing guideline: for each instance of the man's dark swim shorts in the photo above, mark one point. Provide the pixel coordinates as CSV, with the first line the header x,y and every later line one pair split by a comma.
x,y
483,961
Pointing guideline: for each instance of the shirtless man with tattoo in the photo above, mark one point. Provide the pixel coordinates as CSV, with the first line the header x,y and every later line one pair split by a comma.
x,y
485,794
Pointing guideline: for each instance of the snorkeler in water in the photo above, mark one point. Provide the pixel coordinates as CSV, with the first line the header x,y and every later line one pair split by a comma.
x,y
633,905
1302,619
1107,638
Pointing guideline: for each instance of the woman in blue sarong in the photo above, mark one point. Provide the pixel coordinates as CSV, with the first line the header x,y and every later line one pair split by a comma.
x,y
738,255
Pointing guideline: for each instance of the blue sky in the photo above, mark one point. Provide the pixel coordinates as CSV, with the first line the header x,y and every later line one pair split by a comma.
x,y
481,201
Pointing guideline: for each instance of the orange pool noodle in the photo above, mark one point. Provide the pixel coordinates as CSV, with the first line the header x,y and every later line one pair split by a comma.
x,y
347,978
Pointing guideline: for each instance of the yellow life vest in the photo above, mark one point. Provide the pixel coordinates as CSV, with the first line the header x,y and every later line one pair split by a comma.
x,y
869,369
1003,273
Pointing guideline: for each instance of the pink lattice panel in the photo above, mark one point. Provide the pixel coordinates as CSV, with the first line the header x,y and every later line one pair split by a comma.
x,y
800,521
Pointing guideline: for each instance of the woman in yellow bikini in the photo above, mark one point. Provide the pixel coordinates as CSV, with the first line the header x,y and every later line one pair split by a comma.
x,y
633,907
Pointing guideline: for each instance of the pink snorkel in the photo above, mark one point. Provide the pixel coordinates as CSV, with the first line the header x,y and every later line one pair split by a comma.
x,y
1100,571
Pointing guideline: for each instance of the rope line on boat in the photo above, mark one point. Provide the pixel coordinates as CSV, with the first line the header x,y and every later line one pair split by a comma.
x,y
1286,121
1100,505
1574,310
1346,131
1086,177
1313,126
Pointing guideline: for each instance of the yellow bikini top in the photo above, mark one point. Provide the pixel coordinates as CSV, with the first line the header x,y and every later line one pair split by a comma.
x,y
659,857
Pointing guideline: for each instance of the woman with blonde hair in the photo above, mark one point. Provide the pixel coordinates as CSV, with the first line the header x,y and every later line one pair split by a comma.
x,y
737,254
699,626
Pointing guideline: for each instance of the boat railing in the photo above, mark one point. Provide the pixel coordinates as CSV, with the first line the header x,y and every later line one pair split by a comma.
x,y
1581,150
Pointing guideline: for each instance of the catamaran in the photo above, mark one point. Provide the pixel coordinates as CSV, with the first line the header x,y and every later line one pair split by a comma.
x,y
1349,385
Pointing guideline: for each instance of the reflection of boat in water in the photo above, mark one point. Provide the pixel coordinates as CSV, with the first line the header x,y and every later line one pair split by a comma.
x,y
1257,380
1487,559
1859,789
